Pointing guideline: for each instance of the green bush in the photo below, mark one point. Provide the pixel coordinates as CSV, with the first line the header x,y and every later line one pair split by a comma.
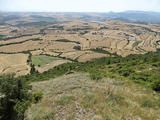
x,y
147,103
96,75
156,85
16,98
20,108
37,96
33,69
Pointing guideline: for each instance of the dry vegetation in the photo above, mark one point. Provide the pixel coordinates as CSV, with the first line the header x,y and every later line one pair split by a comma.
x,y
16,63
69,36
76,96
40,44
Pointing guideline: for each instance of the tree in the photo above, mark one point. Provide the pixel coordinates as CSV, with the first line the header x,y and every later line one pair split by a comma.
x,y
16,98
33,69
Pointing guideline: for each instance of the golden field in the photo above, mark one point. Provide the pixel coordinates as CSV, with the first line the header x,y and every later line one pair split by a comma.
x,y
16,63
75,38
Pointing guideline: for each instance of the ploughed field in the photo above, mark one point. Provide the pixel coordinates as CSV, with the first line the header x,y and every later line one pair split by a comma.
x,y
59,38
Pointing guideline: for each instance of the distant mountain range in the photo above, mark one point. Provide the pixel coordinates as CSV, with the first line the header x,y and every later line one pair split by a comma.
x,y
143,17
136,16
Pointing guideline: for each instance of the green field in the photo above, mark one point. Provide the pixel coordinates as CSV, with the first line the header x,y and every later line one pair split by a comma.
x,y
41,60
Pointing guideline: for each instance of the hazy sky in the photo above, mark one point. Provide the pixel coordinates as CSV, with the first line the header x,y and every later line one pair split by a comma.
x,y
79,5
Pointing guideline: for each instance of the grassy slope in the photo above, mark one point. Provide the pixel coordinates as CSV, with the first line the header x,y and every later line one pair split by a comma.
x,y
77,96
142,69
86,96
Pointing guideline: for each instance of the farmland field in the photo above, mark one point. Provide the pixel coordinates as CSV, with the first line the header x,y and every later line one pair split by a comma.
x,y
74,38
14,63
43,63
78,66
42,60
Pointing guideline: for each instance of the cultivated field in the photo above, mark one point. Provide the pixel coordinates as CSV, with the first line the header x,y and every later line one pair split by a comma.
x,y
73,38
81,66
14,63
44,63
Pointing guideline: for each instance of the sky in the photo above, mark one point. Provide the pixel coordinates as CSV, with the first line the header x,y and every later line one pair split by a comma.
x,y
79,5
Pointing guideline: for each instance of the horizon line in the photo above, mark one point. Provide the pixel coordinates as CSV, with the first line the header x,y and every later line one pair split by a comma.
x,y
45,11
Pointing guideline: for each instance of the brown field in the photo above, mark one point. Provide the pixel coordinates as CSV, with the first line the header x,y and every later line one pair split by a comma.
x,y
30,45
60,47
37,42
73,55
91,55
16,63
63,37
16,40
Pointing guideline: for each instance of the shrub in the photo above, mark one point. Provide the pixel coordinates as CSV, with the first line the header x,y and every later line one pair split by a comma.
x,y
64,100
147,103
126,73
155,65
37,96
16,98
156,85
33,69
77,47
96,75
20,108
39,65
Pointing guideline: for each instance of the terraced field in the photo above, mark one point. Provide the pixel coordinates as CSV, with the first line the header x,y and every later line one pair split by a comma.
x,y
80,67
73,38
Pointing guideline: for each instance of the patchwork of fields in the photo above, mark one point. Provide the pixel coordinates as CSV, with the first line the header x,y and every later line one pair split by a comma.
x,y
74,39
69,67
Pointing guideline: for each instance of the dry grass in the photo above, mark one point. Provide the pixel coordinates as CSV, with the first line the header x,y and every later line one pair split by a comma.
x,y
14,63
61,47
115,38
29,45
89,56
76,96
21,39
75,54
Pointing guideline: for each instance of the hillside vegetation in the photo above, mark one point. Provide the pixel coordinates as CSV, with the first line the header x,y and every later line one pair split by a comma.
x,y
75,37
114,88
142,69
76,96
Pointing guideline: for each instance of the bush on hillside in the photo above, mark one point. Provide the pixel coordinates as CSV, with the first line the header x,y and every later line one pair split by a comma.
x,y
37,96
97,75
156,85
16,98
